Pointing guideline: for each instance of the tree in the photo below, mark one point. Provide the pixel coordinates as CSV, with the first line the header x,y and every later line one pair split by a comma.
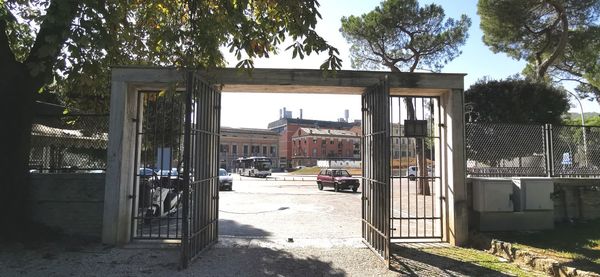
x,y
525,105
69,45
403,37
558,38
518,101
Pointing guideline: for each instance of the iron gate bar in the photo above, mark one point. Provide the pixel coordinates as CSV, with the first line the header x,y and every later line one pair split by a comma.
x,y
154,109
375,151
201,193
419,218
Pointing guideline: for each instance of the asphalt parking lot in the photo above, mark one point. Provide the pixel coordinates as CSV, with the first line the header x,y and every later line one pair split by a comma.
x,y
282,210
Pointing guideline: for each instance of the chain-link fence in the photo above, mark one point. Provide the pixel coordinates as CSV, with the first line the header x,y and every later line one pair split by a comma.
x,y
68,143
504,150
576,151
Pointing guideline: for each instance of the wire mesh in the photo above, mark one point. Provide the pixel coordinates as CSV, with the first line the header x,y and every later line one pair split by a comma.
x,y
576,151
505,150
68,143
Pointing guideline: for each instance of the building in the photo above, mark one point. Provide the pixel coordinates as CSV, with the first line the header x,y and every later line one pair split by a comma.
x,y
312,144
245,142
287,127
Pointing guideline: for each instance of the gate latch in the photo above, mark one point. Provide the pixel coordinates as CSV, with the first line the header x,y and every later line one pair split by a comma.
x,y
364,198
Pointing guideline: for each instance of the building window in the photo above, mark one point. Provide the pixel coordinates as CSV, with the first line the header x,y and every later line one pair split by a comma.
x,y
245,149
331,142
264,150
314,140
234,149
314,152
272,150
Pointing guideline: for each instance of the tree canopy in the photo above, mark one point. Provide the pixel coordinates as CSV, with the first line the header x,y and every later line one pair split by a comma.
x,y
68,46
515,101
558,38
400,35
80,45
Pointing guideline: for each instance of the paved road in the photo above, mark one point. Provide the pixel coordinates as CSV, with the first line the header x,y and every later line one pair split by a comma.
x,y
288,209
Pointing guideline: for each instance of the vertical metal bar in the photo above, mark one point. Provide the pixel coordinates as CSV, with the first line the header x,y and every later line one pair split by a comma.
x,y
186,170
442,221
136,178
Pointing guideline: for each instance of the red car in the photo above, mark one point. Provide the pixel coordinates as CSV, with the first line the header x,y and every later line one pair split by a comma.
x,y
338,179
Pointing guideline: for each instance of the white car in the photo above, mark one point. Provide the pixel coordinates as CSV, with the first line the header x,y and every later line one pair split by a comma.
x,y
411,172
225,180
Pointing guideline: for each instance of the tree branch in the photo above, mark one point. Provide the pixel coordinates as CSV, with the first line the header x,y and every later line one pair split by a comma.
x,y
53,33
562,43
6,54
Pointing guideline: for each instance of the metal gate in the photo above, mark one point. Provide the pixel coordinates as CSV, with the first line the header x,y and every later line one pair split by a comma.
x,y
200,167
158,182
416,190
375,172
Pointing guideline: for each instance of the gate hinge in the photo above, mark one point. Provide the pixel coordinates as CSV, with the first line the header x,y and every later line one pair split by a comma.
x,y
364,110
363,198
131,196
133,119
442,125
443,198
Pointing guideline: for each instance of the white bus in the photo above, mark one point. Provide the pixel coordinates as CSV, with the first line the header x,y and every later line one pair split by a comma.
x,y
253,167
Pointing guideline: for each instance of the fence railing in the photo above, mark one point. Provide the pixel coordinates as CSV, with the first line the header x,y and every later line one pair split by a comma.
x,y
505,150
72,143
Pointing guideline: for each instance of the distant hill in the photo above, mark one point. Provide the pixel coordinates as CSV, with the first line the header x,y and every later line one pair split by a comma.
x,y
586,115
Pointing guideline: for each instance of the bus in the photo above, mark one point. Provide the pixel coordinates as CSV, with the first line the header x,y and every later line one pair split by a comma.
x,y
253,166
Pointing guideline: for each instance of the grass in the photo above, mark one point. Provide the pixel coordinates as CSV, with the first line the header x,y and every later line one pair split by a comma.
x,y
482,259
578,245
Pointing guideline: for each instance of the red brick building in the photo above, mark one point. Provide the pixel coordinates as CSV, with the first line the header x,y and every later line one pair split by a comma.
x,y
287,127
312,144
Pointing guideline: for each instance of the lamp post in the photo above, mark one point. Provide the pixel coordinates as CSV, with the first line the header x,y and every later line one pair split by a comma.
x,y
582,127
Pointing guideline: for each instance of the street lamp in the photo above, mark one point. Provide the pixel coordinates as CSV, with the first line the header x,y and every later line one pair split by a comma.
x,y
582,127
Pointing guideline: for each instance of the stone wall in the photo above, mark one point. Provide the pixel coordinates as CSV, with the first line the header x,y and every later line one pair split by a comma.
x,y
70,202
573,201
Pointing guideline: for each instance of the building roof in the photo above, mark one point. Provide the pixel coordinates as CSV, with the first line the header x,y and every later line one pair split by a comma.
x,y
328,132
248,131
312,122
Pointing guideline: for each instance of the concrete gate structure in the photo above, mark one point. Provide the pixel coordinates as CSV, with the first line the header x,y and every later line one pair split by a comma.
x,y
377,90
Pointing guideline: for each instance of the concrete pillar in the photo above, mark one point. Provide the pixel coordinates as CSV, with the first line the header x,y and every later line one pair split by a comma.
x,y
119,172
454,177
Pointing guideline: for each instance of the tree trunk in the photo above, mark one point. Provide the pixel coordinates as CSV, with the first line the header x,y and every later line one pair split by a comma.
x,y
422,182
17,116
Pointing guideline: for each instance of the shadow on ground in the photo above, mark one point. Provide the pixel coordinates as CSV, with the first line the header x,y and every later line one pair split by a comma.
x,y
260,262
233,228
415,262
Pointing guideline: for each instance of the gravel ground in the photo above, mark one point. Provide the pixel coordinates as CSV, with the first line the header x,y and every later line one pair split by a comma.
x,y
230,257
225,259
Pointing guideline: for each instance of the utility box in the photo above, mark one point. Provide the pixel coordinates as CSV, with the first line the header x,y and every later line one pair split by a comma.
x,y
535,193
493,195
512,204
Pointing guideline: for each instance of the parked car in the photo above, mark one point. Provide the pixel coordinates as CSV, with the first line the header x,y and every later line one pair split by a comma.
x,y
412,170
338,179
225,180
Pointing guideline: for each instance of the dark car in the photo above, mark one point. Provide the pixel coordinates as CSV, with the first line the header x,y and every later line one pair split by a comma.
x,y
338,179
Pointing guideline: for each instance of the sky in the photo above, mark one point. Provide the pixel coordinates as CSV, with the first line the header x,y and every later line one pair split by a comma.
x,y
256,110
